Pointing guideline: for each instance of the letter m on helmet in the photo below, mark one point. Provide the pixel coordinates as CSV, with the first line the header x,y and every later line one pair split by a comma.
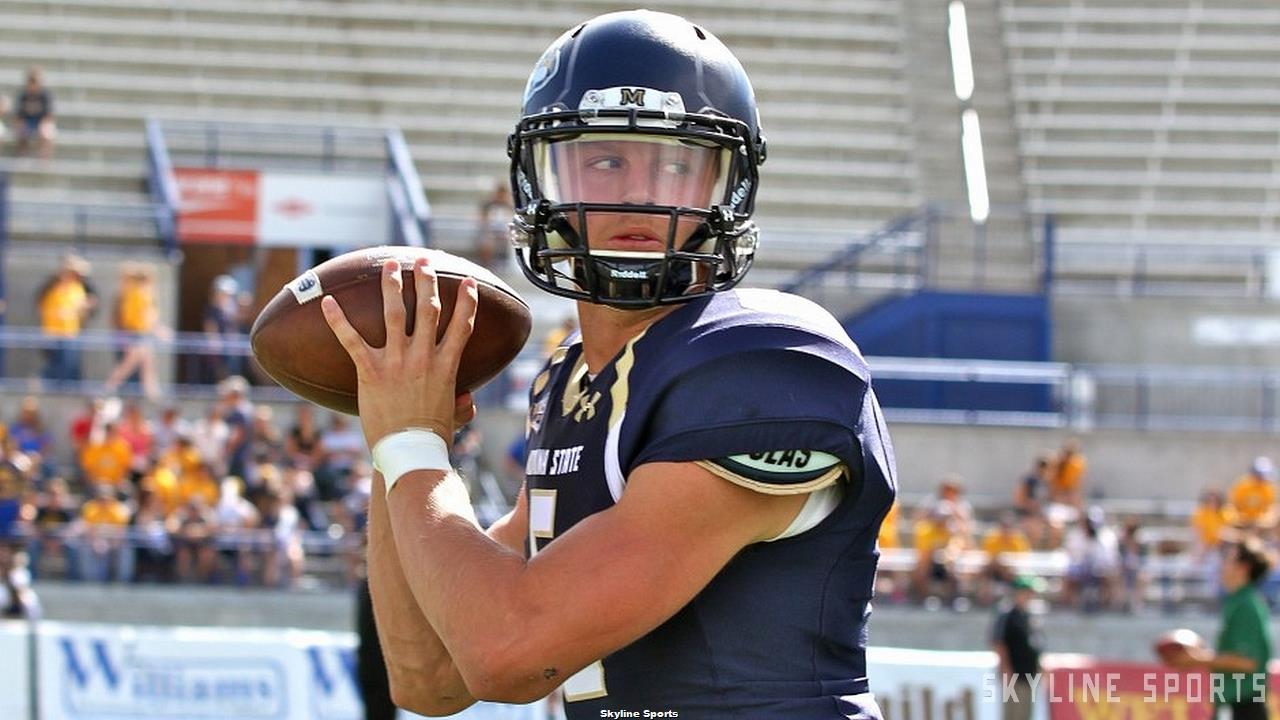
x,y
633,96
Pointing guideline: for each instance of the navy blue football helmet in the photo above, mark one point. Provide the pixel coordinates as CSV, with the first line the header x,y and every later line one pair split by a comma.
x,y
634,165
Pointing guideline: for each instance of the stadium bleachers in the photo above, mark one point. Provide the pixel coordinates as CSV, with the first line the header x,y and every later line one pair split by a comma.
x,y
829,79
1148,116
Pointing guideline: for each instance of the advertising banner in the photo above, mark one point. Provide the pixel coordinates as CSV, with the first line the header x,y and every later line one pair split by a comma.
x,y
217,206
330,210
272,208
15,680
114,672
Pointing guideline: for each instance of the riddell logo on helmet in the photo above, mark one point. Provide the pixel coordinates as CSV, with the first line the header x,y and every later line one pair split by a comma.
x,y
740,192
629,274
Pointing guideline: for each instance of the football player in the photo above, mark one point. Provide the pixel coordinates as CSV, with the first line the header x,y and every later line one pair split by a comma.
x,y
707,467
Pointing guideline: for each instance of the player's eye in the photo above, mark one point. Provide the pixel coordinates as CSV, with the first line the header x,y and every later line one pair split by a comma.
x,y
605,162
676,167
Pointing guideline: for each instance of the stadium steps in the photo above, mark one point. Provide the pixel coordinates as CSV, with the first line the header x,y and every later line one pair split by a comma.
x,y
1151,115
828,79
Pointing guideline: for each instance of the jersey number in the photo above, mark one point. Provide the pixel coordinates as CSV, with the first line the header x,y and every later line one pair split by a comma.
x,y
587,683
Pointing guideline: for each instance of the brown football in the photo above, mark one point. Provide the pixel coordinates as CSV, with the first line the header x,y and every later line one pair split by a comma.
x,y
1173,645
294,344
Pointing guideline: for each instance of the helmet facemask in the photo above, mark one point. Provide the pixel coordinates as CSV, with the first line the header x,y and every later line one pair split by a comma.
x,y
633,207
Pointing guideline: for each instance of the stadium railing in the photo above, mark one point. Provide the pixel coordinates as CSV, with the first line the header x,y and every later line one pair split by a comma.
x,y
1083,395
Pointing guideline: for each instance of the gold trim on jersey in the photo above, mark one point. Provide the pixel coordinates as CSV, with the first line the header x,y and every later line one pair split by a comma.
x,y
621,389
827,478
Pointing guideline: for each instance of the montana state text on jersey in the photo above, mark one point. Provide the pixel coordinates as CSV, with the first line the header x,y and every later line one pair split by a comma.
x,y
767,391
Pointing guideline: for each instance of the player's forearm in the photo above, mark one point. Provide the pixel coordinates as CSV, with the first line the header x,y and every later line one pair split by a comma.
x,y
422,674
468,586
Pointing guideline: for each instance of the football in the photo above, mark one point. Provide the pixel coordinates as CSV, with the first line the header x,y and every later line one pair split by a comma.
x,y
1172,645
295,346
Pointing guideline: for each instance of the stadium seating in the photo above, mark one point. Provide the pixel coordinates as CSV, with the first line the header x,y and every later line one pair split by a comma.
x,y
829,78
1148,116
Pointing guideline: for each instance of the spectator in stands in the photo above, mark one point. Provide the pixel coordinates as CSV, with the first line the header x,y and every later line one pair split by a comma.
x,y
107,458
1244,640
104,551
302,444
268,443
1209,521
152,547
65,302
209,436
1253,497
169,428
53,525
17,599
84,423
135,428
341,445
491,226
137,319
1093,558
221,323
959,513
1016,638
195,551
237,413
282,558
1005,537
234,519
937,550
1067,484
13,487
30,436
301,485
353,513
1133,571
33,116
1029,498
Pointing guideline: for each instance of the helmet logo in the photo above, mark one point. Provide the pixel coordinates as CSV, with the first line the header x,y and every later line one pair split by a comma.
x,y
547,67
626,98
633,96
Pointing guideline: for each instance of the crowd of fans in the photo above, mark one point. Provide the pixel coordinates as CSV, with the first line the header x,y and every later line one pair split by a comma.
x,y
1109,563
226,497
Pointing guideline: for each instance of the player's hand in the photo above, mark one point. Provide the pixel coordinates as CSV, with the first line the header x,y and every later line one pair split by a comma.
x,y
411,381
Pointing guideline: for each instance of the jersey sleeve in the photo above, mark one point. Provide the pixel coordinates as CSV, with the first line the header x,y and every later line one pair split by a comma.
x,y
775,420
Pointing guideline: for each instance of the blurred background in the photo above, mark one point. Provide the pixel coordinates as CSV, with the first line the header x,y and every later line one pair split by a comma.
x,y
1051,225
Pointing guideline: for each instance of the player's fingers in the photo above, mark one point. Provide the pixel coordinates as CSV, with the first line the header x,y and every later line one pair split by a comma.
x,y
343,330
428,310
462,322
393,304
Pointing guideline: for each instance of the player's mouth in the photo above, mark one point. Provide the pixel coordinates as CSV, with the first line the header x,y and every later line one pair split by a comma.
x,y
636,241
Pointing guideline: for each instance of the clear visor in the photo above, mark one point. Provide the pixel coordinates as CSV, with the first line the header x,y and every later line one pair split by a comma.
x,y
631,170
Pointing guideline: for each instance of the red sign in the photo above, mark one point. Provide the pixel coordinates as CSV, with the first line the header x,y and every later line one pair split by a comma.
x,y
217,206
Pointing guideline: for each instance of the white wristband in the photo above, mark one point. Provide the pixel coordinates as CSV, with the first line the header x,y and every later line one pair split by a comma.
x,y
408,450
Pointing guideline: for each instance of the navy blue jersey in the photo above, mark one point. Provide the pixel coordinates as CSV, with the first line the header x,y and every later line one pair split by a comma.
x,y
766,390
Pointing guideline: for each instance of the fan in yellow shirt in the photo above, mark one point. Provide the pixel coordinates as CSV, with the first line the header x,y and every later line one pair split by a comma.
x,y
1210,518
1253,497
137,317
107,458
64,303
